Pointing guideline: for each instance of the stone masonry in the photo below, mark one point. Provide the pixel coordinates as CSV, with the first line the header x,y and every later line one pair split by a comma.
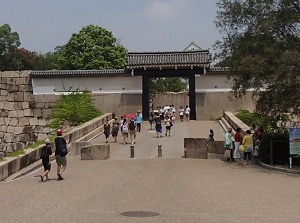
x,y
22,121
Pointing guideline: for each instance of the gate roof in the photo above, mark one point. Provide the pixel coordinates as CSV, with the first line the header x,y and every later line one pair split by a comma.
x,y
168,59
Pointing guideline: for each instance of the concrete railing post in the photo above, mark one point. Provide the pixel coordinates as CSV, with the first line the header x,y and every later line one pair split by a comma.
x,y
131,151
159,151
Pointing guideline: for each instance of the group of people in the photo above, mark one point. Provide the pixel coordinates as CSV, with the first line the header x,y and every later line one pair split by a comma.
x,y
128,128
239,147
61,151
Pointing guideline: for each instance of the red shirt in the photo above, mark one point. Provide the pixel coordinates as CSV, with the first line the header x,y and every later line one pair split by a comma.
x,y
237,137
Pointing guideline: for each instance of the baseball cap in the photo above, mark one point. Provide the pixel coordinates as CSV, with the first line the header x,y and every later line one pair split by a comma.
x,y
47,141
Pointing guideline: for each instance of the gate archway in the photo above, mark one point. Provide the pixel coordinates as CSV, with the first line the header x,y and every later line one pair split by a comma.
x,y
168,64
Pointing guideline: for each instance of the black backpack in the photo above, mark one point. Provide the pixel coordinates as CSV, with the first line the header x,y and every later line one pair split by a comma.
x,y
131,125
61,146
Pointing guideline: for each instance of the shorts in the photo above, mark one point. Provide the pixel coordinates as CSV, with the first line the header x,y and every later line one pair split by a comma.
x,y
158,129
187,115
46,165
61,160
132,132
181,116
168,127
114,133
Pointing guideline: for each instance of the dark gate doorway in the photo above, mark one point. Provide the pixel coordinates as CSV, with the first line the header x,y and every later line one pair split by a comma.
x,y
168,64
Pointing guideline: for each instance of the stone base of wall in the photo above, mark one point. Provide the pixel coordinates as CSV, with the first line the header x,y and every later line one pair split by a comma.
x,y
195,148
95,152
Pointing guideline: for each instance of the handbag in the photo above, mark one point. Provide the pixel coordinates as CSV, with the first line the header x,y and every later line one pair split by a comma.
x,y
242,148
227,153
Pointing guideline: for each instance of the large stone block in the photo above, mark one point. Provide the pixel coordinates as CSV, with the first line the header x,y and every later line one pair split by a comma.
x,y
24,138
28,96
3,128
18,130
3,92
10,97
9,106
19,96
75,147
2,122
18,105
38,129
25,87
27,129
8,138
12,88
37,113
23,121
12,114
46,113
20,113
14,122
42,122
95,152
46,130
25,105
195,148
1,104
216,147
41,137
28,113
33,121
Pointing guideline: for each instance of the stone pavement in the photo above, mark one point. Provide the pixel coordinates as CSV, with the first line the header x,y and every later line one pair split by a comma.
x,y
171,188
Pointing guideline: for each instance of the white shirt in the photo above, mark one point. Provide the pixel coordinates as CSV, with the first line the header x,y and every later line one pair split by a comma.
x,y
187,110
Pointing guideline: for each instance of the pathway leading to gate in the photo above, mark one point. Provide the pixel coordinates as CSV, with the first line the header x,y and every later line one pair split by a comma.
x,y
170,189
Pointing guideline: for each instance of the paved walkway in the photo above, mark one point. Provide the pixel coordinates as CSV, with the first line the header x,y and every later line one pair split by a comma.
x,y
172,188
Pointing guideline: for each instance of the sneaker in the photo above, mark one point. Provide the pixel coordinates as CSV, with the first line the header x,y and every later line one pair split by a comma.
x,y
59,177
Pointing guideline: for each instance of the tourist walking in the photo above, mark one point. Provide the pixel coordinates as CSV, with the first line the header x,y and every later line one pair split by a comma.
x,y
158,127
139,121
181,113
247,142
125,131
187,113
106,130
115,128
237,143
151,117
132,130
168,123
46,153
60,154
228,144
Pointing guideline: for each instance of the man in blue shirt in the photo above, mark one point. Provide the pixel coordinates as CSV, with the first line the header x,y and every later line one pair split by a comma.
x,y
139,121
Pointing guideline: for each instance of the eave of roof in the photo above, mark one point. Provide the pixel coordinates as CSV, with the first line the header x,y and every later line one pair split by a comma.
x,y
79,73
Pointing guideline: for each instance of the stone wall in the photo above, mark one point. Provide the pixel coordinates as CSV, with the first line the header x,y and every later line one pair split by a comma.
x,y
22,120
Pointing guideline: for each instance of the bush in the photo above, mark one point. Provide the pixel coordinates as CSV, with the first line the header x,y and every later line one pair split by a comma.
x,y
73,109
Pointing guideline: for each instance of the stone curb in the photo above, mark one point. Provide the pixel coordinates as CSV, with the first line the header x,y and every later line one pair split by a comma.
x,y
280,169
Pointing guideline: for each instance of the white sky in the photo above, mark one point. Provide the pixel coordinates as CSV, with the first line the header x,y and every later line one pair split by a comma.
x,y
141,25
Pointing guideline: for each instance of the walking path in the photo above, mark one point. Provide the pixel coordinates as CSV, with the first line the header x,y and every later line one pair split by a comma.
x,y
170,189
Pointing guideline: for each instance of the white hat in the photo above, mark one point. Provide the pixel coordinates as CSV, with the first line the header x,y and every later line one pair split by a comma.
x,y
47,141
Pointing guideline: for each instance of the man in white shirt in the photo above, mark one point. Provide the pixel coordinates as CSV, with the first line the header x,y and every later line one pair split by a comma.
x,y
187,113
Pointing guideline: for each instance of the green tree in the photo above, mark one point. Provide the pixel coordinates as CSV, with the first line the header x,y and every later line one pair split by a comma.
x,y
92,48
9,42
163,85
73,109
261,44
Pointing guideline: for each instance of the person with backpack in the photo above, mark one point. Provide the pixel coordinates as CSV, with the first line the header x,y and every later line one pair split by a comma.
x,y
60,154
158,127
125,130
46,153
106,130
168,122
132,130
115,129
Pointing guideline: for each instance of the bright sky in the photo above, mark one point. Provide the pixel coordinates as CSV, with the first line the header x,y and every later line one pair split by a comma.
x,y
141,25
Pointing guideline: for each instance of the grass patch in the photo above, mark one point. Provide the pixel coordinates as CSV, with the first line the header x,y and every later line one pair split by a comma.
x,y
1,160
16,153
39,143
